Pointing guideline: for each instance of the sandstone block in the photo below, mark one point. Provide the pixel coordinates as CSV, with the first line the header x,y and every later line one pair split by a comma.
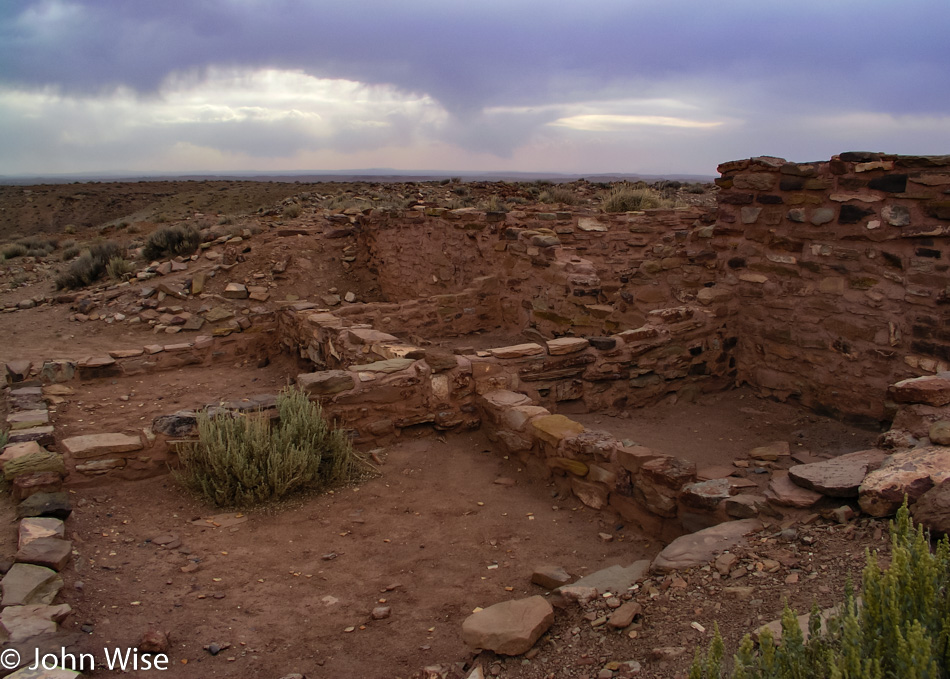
x,y
615,579
783,491
326,382
51,552
55,505
43,461
25,485
840,476
594,495
566,345
706,494
510,627
550,577
23,623
235,291
95,445
517,351
553,429
931,390
34,528
28,584
771,451
390,365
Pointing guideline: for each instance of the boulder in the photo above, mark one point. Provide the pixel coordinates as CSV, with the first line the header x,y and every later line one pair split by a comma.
x,y
510,627
840,476
745,505
910,472
701,547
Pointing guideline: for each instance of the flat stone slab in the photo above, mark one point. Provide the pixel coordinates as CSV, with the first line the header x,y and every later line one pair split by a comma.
x,y
616,579
517,350
39,527
369,336
510,627
566,345
94,445
706,494
931,390
840,476
326,382
26,419
550,577
390,365
42,435
911,473
771,451
28,584
14,450
23,623
554,428
702,547
783,491
502,399
51,552
54,505
591,224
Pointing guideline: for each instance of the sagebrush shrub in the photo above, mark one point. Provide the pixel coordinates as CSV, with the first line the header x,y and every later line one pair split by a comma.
x,y
558,194
171,241
626,199
243,460
90,267
900,627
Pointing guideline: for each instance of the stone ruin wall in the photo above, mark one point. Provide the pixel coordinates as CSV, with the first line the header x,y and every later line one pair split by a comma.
x,y
841,273
821,282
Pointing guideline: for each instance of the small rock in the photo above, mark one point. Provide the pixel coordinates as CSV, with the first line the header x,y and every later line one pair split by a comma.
x,y
509,627
624,616
153,640
381,612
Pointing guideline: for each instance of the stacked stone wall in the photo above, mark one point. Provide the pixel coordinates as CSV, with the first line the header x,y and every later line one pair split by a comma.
x,y
841,271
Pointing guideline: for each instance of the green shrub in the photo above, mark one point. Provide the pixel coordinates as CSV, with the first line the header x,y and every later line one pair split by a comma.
x,y
494,204
90,266
118,268
245,460
626,199
3,438
70,252
171,241
901,628
292,211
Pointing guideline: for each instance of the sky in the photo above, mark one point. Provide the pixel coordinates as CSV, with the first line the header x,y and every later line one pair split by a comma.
x,y
600,86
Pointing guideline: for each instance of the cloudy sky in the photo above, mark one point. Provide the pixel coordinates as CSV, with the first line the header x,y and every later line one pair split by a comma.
x,y
653,86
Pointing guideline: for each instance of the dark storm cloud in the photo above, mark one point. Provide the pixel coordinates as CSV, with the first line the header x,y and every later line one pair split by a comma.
x,y
471,55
